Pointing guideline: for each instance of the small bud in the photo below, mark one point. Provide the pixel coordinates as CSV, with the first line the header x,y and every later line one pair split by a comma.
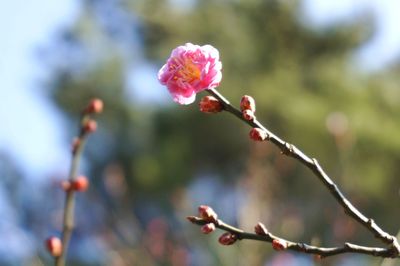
x,y
279,244
95,106
260,229
248,115
75,144
207,214
210,105
81,184
90,126
248,103
66,185
258,134
227,239
208,228
54,246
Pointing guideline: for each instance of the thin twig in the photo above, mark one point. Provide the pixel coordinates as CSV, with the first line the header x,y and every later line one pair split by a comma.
x,y
297,246
311,163
69,208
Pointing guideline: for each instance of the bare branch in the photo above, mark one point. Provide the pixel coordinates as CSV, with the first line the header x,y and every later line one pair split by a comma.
x,y
311,163
301,247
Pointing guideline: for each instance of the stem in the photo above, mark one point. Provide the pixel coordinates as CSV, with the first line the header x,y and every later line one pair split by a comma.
x,y
300,247
311,163
69,207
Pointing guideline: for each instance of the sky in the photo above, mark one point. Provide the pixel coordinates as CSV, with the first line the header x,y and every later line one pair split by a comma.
x,y
30,124
32,127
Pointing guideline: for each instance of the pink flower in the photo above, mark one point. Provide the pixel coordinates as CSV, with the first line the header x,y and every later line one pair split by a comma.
x,y
189,70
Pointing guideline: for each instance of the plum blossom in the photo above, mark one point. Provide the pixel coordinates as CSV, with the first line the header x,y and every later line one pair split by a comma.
x,y
189,70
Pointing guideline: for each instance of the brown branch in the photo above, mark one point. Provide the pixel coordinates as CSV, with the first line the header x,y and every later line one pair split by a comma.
x,y
311,163
300,247
68,218
87,126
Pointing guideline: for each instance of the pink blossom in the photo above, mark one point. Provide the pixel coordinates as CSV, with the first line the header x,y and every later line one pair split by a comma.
x,y
189,70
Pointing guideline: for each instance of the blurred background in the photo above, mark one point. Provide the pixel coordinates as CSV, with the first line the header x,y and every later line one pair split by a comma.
x,y
325,75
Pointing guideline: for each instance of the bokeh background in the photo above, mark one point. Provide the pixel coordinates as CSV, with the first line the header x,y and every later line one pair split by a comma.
x,y
325,75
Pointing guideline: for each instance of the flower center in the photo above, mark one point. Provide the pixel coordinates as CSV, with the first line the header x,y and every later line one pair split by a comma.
x,y
187,72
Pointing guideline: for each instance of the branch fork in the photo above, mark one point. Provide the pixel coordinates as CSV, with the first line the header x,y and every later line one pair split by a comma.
x,y
278,243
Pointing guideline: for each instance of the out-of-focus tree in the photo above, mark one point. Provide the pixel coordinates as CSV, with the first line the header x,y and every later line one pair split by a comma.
x,y
146,158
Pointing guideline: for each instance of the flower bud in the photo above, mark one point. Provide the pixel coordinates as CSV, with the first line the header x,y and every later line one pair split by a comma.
x,y
81,184
207,214
258,134
248,115
90,126
54,246
95,106
248,103
210,105
260,229
279,244
227,239
208,228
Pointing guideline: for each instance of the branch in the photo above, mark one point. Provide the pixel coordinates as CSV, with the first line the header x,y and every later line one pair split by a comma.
x,y
58,248
311,163
297,246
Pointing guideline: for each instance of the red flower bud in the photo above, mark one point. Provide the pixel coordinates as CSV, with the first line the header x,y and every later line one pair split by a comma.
x,y
90,126
258,134
248,103
54,246
279,244
95,106
208,228
207,214
210,105
81,184
260,229
227,239
248,115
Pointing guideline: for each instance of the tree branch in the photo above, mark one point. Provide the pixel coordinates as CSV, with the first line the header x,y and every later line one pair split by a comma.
x,y
311,163
297,246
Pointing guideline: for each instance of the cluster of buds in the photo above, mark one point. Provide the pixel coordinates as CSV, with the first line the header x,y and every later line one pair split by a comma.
x,y
95,106
210,105
88,125
80,184
210,216
248,107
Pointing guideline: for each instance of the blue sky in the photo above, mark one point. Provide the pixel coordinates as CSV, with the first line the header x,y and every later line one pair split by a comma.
x,y
32,128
